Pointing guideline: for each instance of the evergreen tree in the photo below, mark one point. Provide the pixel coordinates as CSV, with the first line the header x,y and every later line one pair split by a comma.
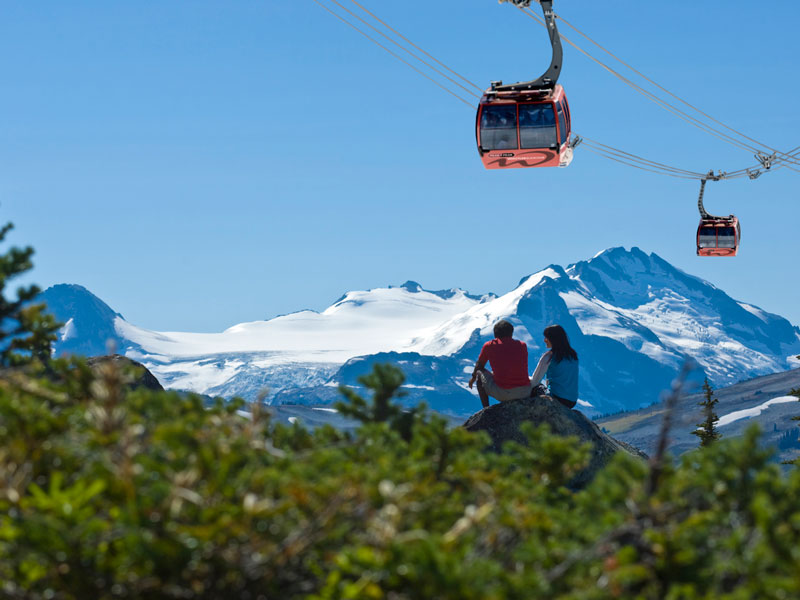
x,y
108,492
384,381
26,332
795,392
707,430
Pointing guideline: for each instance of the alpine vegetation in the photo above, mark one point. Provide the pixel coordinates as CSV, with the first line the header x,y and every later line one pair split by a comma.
x,y
112,490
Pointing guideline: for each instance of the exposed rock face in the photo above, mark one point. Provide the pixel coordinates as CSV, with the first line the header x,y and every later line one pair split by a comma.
x,y
141,376
502,421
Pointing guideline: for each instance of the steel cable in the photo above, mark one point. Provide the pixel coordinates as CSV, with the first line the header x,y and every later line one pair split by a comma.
x,y
641,159
656,84
664,104
401,59
404,49
390,28
787,156
593,146
635,166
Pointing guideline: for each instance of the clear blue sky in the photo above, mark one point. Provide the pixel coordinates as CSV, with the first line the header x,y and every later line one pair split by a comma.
x,y
199,164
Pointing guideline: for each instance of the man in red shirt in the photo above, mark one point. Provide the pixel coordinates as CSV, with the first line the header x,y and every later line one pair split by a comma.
x,y
508,379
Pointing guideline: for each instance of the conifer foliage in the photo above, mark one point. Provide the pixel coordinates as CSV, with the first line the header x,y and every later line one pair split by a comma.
x,y
110,492
26,332
384,381
707,430
795,392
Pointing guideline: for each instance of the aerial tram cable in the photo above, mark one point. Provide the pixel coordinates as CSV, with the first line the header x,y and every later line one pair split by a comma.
x,y
401,59
716,236
761,156
644,164
766,160
403,48
597,148
633,160
752,172
664,104
604,150
433,58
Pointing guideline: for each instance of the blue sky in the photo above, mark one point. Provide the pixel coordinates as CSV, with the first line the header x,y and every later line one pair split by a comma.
x,y
200,164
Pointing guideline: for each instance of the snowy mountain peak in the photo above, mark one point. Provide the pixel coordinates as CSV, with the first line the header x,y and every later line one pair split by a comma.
x,y
632,317
550,271
415,288
411,286
630,278
88,322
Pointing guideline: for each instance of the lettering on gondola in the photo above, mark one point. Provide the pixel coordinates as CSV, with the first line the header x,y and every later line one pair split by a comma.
x,y
521,161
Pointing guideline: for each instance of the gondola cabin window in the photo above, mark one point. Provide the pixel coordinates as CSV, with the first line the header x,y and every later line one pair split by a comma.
x,y
707,237
537,125
726,237
499,127
562,124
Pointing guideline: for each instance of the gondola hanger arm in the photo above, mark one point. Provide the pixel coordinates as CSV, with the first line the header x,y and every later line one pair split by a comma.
x,y
547,81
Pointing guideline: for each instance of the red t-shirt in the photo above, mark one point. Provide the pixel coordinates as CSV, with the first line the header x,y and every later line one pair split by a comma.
x,y
509,360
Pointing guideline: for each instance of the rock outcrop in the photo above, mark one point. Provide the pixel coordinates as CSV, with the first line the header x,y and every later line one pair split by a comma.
x,y
502,423
138,373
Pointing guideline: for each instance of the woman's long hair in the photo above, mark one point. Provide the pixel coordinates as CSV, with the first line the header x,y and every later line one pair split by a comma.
x,y
560,343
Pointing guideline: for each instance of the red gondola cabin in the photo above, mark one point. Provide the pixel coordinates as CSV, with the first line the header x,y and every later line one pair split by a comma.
x,y
524,129
719,236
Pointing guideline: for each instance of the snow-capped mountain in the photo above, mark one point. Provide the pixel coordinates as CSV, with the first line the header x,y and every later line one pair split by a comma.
x,y
632,317
89,324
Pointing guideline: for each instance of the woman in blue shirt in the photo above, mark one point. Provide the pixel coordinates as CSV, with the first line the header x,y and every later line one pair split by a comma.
x,y
560,365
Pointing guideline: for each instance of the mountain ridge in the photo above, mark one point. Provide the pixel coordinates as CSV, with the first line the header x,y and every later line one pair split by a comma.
x,y
633,317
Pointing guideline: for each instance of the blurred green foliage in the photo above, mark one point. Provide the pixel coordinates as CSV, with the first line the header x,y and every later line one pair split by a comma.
x,y
108,492
111,493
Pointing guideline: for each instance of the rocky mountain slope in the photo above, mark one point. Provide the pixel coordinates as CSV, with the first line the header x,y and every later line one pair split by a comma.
x,y
632,317
763,401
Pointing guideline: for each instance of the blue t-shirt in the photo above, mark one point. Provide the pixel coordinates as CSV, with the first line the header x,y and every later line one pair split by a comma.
x,y
562,378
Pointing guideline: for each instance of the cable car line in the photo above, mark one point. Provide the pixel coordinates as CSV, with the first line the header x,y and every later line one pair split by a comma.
x,y
593,146
656,84
528,124
757,152
390,28
656,167
663,103
404,49
401,59
635,166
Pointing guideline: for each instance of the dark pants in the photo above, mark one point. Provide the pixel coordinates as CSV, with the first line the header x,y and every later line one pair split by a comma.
x,y
540,391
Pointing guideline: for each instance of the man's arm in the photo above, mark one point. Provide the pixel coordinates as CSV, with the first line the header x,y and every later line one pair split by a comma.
x,y
479,366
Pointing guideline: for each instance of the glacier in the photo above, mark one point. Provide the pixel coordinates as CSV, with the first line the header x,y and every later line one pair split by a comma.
x,y
633,318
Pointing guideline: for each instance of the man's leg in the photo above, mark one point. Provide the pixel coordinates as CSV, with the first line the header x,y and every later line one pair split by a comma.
x,y
482,392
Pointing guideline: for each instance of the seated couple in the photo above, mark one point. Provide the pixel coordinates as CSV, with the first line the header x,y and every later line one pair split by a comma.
x,y
508,379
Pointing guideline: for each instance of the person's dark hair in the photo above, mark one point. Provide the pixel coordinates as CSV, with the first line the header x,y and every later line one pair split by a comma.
x,y
503,329
560,343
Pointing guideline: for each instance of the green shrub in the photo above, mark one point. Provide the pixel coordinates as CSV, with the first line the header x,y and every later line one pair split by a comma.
x,y
111,493
108,493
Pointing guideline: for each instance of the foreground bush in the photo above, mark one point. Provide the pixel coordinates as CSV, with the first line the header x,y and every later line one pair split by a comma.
x,y
106,493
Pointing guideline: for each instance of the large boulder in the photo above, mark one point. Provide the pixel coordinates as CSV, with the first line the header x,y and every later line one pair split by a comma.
x,y
502,423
